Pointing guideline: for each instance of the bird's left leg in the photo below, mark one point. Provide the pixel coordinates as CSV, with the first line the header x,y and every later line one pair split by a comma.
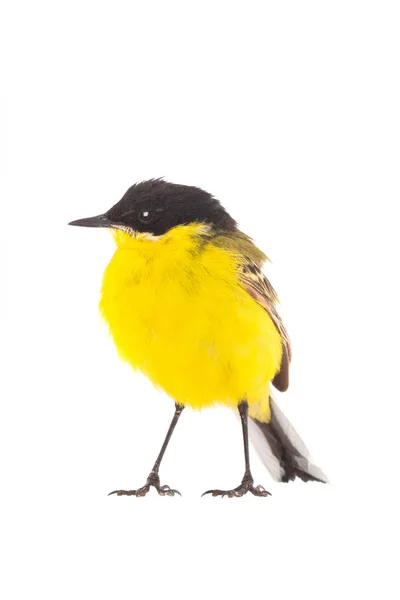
x,y
153,479
247,484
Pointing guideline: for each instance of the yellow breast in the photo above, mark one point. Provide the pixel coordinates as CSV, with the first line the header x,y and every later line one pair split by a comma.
x,y
177,312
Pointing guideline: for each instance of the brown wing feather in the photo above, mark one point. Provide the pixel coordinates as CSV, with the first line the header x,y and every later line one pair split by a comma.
x,y
258,287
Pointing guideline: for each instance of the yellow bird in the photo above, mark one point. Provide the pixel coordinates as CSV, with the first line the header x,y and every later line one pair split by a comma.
x,y
187,304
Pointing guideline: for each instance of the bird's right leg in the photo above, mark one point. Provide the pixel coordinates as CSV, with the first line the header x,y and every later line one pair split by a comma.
x,y
247,484
153,479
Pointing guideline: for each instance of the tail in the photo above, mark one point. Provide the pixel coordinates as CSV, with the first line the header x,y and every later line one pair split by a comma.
x,y
282,450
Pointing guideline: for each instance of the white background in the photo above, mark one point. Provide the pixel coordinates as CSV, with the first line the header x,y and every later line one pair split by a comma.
x,y
289,113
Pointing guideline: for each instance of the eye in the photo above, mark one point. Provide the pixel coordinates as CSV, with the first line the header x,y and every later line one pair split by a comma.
x,y
145,216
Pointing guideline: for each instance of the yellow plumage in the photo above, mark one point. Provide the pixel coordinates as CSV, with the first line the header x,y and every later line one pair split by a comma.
x,y
177,311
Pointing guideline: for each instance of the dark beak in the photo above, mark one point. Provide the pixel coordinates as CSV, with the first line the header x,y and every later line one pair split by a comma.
x,y
98,221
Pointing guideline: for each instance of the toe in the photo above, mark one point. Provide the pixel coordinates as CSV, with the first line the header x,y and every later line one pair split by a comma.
x,y
214,493
138,493
259,491
165,490
222,493
142,491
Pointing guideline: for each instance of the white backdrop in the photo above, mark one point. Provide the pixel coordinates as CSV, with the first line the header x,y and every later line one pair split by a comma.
x,y
289,114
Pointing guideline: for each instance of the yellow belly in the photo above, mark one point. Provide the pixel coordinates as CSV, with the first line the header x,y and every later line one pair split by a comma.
x,y
179,315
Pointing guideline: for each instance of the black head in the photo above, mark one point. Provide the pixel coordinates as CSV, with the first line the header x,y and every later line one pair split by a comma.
x,y
155,206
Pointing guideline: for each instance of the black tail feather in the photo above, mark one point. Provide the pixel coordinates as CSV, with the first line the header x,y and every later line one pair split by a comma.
x,y
288,449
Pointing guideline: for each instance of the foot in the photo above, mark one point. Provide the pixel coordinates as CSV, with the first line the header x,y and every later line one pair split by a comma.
x,y
241,490
153,480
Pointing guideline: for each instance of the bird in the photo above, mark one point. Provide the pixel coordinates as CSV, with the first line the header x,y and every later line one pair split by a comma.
x,y
188,305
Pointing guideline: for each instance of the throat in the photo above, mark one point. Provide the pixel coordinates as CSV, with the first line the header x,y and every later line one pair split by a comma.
x,y
157,260
181,238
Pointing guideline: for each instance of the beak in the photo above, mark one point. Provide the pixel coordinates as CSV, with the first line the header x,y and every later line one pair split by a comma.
x,y
98,221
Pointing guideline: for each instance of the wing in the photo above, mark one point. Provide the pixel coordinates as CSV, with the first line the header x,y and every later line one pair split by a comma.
x,y
258,287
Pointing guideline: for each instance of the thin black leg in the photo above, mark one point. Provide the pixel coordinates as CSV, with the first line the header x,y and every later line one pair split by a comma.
x,y
178,411
153,479
243,408
247,484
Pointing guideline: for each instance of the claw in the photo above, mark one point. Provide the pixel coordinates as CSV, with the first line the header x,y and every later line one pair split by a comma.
x,y
124,492
136,493
164,490
212,492
240,491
